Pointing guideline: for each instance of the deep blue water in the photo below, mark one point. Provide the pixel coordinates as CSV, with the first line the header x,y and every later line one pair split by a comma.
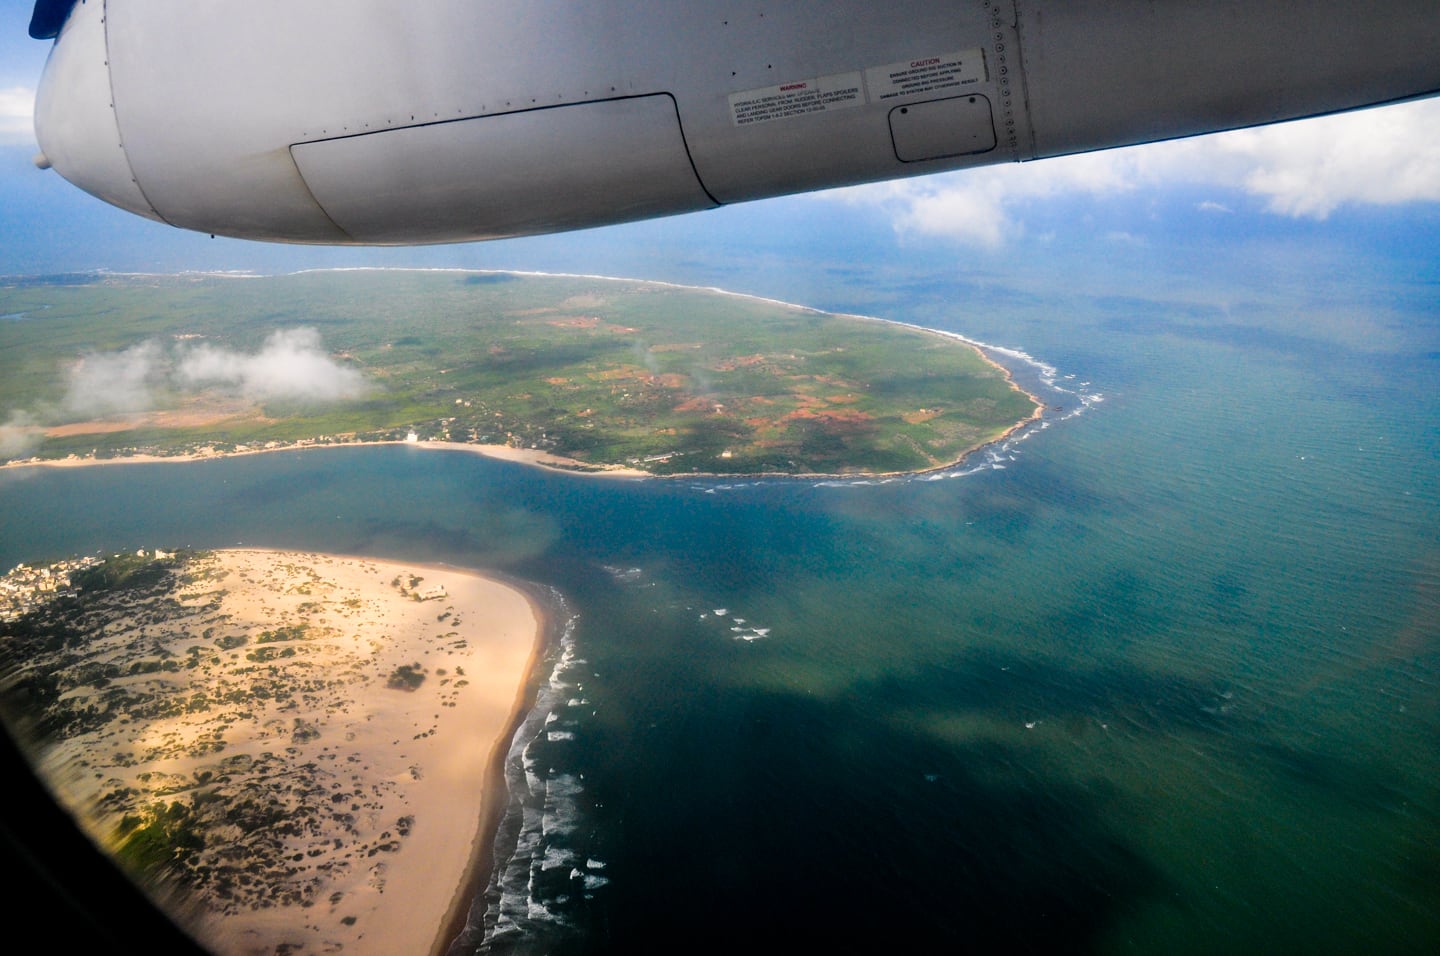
x,y
1164,682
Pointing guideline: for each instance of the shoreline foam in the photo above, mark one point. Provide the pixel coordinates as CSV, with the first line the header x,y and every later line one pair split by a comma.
x,y
498,797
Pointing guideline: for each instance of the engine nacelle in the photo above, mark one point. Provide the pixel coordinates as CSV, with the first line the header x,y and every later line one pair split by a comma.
x,y
391,121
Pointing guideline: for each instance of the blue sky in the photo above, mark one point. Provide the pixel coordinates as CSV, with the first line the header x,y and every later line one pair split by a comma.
x,y
1363,187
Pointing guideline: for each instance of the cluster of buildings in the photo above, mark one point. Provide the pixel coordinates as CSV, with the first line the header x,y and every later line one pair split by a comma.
x,y
25,588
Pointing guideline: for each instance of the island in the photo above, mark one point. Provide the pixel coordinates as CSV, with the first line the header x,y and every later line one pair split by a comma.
x,y
586,373
293,752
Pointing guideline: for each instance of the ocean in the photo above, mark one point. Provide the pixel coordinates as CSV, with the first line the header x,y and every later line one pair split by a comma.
x,y
1161,674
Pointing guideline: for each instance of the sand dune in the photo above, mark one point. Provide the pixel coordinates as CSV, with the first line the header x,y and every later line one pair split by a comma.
x,y
325,725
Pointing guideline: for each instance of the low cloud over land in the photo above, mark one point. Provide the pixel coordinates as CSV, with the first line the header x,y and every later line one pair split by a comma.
x,y
114,383
19,435
291,365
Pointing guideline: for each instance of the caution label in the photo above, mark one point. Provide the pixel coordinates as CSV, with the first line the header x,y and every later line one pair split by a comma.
x,y
838,91
926,74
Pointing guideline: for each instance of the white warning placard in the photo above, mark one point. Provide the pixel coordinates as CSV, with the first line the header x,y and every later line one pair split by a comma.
x,y
838,91
926,74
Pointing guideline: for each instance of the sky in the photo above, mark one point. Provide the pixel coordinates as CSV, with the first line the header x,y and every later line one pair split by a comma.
x,y
1363,185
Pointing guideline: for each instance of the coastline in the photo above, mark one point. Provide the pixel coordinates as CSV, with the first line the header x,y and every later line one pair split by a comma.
x,y
524,456
555,462
537,458
497,795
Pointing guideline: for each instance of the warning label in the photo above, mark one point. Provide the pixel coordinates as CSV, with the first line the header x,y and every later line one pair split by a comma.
x,y
926,74
838,91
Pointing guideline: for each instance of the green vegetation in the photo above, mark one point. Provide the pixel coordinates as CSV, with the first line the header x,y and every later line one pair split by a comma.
x,y
406,677
158,841
263,655
294,632
124,572
670,380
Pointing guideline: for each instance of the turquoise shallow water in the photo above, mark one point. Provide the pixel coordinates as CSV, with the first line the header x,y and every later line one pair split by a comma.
x,y
1165,680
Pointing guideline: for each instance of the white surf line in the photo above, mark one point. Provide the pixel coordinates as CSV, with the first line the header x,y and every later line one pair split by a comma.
x,y
181,274
1047,371
580,275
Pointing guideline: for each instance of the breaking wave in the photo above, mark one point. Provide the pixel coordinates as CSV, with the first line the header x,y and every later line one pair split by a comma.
x,y
541,868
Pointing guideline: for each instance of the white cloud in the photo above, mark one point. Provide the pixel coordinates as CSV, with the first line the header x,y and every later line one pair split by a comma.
x,y
19,435
17,115
290,364
974,206
1308,168
110,383
974,214
1380,156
